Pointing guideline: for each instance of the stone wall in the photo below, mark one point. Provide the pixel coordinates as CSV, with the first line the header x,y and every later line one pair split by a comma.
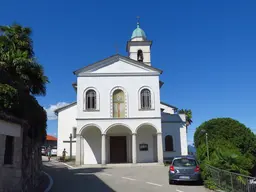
x,y
10,174
23,174
31,163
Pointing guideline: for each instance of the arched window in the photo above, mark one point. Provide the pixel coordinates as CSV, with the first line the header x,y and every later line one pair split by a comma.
x,y
91,100
168,143
118,104
145,99
140,55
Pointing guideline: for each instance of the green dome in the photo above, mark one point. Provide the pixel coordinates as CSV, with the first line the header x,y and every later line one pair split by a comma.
x,y
138,32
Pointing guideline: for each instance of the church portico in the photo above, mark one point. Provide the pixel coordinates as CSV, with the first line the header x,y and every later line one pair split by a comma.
x,y
146,148
89,142
118,143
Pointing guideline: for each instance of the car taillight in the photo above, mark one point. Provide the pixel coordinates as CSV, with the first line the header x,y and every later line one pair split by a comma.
x,y
171,168
197,169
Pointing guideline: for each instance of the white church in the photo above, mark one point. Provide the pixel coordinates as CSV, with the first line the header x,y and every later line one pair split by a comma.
x,y
118,116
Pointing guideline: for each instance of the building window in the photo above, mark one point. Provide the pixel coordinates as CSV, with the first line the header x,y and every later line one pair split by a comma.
x,y
74,132
118,104
168,143
140,56
9,149
145,99
91,100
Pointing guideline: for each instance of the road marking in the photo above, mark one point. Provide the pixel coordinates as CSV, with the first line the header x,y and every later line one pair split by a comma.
x,y
129,178
71,167
106,174
50,182
84,173
179,190
154,184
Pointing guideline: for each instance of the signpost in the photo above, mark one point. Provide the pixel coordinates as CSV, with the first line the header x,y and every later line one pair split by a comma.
x,y
70,142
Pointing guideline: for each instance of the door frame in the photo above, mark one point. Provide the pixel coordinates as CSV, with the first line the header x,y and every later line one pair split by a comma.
x,y
126,150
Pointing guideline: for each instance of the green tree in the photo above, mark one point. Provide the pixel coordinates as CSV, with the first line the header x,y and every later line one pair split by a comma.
x,y
21,78
18,65
188,114
232,145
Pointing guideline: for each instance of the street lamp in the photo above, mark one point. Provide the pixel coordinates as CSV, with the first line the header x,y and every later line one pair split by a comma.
x,y
206,140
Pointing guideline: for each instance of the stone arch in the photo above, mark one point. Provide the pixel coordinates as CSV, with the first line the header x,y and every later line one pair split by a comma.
x,y
97,98
140,56
117,124
146,134
89,126
152,96
125,101
146,124
90,144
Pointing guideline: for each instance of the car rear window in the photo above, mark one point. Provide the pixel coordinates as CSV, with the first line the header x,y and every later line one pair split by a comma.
x,y
184,162
54,147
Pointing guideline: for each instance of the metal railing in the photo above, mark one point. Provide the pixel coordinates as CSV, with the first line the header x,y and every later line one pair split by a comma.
x,y
231,182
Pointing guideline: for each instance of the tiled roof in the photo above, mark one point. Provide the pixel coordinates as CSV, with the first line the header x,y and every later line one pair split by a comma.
x,y
51,138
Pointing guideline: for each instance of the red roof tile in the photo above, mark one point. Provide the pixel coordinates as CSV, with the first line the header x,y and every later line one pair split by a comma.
x,y
51,138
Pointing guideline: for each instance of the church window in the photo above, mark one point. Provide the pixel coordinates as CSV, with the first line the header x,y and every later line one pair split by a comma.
x,y
90,100
9,149
74,132
145,99
140,55
118,104
168,143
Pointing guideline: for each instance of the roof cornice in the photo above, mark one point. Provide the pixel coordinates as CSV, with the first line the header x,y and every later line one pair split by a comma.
x,y
64,107
113,59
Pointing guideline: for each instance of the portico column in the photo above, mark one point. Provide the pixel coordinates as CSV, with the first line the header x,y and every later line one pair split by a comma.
x,y
159,148
78,149
103,149
134,151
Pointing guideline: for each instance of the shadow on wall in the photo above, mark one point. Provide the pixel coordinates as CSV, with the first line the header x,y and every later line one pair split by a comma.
x,y
79,180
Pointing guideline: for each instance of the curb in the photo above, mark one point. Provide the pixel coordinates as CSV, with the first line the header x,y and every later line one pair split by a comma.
x,y
50,184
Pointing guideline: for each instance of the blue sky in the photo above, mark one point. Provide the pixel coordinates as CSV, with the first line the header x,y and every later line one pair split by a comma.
x,y
207,49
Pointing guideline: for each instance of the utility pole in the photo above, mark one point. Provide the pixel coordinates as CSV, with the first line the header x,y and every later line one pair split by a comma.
x,y
206,141
207,146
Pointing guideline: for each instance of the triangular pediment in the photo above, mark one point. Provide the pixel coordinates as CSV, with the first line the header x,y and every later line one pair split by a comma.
x,y
117,64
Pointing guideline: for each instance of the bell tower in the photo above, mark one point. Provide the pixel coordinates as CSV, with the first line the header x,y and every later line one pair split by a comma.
x,y
138,47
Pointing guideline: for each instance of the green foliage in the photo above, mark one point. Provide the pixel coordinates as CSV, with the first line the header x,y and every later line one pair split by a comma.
x,y
21,77
188,114
17,61
232,147
227,129
8,96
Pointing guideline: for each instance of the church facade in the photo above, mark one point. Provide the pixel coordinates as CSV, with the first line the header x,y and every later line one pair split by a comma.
x,y
118,116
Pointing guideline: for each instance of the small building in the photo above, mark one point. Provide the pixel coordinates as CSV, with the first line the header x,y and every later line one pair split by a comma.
x,y
11,136
50,140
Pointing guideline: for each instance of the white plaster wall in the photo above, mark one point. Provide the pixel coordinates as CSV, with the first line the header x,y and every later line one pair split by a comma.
x,y
147,137
131,84
119,67
132,124
173,129
11,129
66,122
146,52
183,140
137,39
92,146
167,109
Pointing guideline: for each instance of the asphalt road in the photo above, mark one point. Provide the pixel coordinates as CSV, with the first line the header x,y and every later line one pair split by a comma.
x,y
118,179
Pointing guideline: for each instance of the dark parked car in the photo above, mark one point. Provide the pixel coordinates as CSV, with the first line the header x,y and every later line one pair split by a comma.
x,y
184,168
